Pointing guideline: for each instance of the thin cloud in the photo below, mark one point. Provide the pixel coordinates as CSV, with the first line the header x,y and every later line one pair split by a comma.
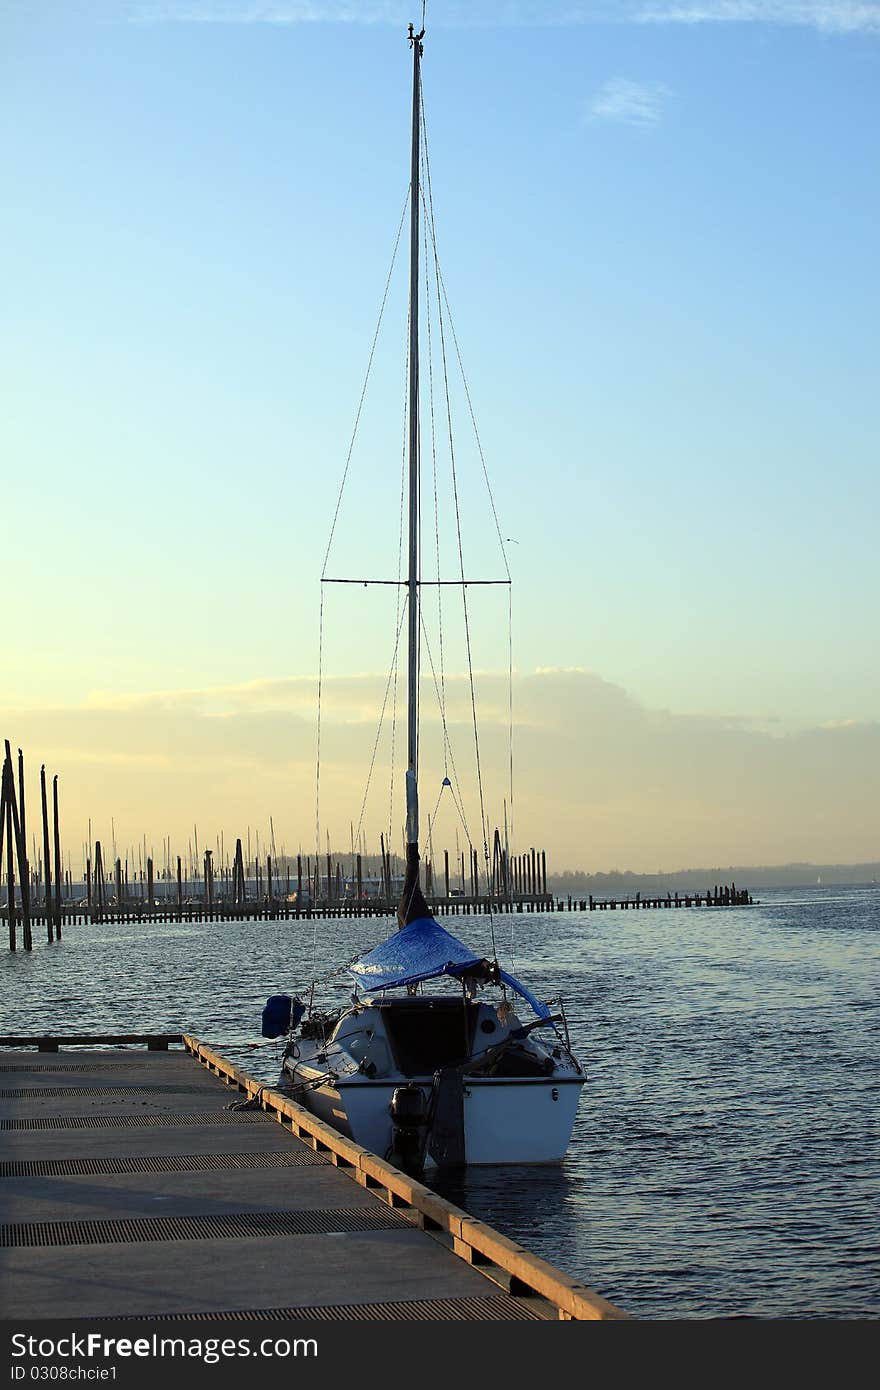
x,y
600,778
363,12
631,103
826,16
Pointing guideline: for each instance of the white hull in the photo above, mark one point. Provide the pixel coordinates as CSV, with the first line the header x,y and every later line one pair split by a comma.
x,y
505,1120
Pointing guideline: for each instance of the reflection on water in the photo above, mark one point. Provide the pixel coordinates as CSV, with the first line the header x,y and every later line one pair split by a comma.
x,y
518,1200
724,1157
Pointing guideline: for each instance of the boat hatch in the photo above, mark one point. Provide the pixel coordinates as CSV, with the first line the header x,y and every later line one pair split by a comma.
x,y
425,1035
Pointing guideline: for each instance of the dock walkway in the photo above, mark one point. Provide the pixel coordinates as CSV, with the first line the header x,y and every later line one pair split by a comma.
x,y
134,1184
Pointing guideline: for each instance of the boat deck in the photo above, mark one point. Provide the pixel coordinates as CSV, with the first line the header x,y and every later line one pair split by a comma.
x,y
134,1184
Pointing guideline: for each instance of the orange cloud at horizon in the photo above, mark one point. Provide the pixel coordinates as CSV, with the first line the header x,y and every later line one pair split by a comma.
x,y
599,780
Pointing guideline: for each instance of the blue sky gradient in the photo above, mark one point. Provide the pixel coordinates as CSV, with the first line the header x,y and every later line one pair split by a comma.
x,y
657,229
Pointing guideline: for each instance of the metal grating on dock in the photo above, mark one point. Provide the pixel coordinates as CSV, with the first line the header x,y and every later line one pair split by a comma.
x,y
58,1092
155,1163
59,1066
496,1308
241,1225
207,1117
196,1210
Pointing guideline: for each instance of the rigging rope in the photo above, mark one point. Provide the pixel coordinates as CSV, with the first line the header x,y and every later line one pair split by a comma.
x,y
345,473
391,673
442,689
447,743
364,387
473,420
441,298
401,607
318,768
510,705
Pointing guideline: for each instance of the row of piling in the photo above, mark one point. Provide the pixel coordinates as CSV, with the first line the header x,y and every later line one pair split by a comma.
x,y
38,894
44,895
508,877
280,910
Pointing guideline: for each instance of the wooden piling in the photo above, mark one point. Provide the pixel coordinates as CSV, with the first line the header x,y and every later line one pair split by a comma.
x,y
99,878
57,834
10,869
238,889
13,829
47,873
23,869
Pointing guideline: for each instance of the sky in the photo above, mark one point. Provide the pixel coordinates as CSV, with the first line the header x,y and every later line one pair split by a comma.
x,y
656,227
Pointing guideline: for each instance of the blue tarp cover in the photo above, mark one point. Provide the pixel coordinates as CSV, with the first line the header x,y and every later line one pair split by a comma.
x,y
424,950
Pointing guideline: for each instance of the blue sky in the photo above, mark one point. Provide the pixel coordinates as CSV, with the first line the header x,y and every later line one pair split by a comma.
x,y
657,229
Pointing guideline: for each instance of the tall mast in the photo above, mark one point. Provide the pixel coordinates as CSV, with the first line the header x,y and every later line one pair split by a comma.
x,y
412,798
412,904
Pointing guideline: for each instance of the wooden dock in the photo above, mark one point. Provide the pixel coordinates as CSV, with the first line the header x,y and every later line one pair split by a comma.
x,y
143,1176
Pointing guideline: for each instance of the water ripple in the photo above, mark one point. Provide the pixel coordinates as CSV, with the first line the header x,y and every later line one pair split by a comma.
x,y
724,1160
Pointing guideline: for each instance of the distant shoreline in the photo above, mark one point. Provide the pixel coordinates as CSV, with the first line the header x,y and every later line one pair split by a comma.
x,y
749,876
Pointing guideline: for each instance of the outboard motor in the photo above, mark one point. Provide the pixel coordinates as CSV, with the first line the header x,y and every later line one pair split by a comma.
x,y
281,1015
409,1120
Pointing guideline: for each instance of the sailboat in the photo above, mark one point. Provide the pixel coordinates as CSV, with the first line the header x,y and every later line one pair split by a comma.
x,y
418,1067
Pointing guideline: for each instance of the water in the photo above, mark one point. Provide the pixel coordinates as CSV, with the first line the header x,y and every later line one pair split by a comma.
x,y
724,1161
